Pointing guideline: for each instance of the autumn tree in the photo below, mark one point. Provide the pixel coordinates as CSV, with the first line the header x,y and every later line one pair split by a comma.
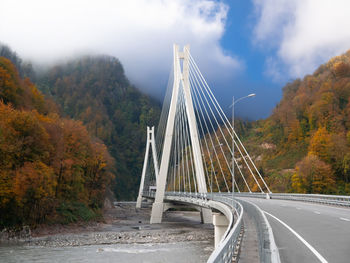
x,y
34,187
313,176
320,144
50,167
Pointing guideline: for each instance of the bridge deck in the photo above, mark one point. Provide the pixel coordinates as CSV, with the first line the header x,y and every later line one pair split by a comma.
x,y
250,246
325,228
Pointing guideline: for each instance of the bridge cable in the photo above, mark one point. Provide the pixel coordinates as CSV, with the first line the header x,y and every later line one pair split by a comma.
x,y
211,95
197,93
203,82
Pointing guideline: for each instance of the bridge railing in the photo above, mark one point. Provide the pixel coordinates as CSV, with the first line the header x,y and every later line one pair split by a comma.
x,y
340,200
226,249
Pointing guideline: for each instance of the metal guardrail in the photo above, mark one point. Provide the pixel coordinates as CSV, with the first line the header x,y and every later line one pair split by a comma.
x,y
223,253
268,251
267,247
340,200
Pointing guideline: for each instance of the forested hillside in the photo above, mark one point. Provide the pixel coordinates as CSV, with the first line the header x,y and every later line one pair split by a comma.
x,y
51,170
304,146
96,91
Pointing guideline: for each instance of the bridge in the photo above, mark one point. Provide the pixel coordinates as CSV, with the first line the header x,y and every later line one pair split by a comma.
x,y
198,160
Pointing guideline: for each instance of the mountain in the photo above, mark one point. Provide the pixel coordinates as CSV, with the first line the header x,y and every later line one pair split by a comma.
x,y
51,169
25,69
304,146
95,90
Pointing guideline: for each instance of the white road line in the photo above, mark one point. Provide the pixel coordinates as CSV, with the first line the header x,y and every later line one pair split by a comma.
x,y
344,219
316,212
313,250
298,208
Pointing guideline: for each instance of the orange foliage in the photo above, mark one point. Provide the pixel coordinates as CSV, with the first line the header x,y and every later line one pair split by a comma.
x,y
313,117
313,176
44,160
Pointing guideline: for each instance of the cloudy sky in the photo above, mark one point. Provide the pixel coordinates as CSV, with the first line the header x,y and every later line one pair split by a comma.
x,y
241,46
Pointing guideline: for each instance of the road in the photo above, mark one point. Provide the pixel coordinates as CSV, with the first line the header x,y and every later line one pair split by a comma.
x,y
324,231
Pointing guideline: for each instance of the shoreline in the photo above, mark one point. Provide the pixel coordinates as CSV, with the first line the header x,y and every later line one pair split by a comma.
x,y
124,224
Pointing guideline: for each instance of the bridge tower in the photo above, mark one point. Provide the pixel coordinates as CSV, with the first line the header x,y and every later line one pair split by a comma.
x,y
150,141
181,77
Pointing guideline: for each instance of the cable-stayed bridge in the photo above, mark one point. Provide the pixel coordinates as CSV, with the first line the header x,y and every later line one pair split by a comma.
x,y
196,158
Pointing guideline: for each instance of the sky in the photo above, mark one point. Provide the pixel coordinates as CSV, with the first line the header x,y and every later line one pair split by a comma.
x,y
241,46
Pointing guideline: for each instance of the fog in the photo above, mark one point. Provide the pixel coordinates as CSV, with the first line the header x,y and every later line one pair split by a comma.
x,y
139,33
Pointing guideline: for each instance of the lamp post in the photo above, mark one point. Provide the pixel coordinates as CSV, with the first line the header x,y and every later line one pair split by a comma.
x,y
211,181
233,138
212,170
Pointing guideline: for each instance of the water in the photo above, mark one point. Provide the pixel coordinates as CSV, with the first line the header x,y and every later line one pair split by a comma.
x,y
194,251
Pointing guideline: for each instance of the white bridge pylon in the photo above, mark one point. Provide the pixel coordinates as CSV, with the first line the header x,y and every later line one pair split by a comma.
x,y
180,78
150,141
196,140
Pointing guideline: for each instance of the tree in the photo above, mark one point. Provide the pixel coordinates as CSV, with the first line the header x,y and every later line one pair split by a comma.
x,y
313,176
50,167
320,144
34,189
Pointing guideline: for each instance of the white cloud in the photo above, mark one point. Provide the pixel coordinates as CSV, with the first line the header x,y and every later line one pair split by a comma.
x,y
139,32
306,33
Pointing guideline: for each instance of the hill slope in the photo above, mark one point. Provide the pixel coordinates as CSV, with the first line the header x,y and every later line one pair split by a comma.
x,y
50,168
96,91
305,144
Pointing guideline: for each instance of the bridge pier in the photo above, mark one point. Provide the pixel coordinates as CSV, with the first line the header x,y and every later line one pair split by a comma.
x,y
139,201
158,209
206,216
220,223
157,213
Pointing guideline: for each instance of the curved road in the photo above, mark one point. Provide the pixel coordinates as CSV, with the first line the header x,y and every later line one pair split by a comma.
x,y
324,230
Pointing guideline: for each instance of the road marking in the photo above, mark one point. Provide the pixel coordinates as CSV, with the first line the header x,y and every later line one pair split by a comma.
x,y
313,250
316,212
298,208
344,219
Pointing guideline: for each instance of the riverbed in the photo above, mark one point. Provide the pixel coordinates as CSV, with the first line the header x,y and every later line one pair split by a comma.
x,y
124,236
196,251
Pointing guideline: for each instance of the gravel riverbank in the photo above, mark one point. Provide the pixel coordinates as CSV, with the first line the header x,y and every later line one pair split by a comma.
x,y
125,225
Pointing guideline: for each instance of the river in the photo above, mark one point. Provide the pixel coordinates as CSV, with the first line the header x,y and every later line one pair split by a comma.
x,y
126,237
195,251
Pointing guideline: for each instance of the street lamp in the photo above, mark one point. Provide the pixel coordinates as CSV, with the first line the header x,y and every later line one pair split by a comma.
x,y
233,138
211,174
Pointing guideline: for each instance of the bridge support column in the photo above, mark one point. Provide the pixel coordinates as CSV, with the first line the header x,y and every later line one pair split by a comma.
x,y
206,216
220,223
150,141
157,213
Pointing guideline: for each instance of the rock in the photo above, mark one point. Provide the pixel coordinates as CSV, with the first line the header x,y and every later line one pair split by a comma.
x,y
267,146
4,235
25,233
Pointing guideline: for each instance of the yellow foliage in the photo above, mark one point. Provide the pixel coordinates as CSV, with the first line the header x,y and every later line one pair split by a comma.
x,y
313,176
320,144
341,69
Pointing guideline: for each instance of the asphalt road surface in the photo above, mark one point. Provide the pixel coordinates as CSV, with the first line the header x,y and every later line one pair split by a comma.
x,y
307,232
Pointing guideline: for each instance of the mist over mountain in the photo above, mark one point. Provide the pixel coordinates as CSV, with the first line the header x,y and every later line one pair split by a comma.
x,y
95,90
